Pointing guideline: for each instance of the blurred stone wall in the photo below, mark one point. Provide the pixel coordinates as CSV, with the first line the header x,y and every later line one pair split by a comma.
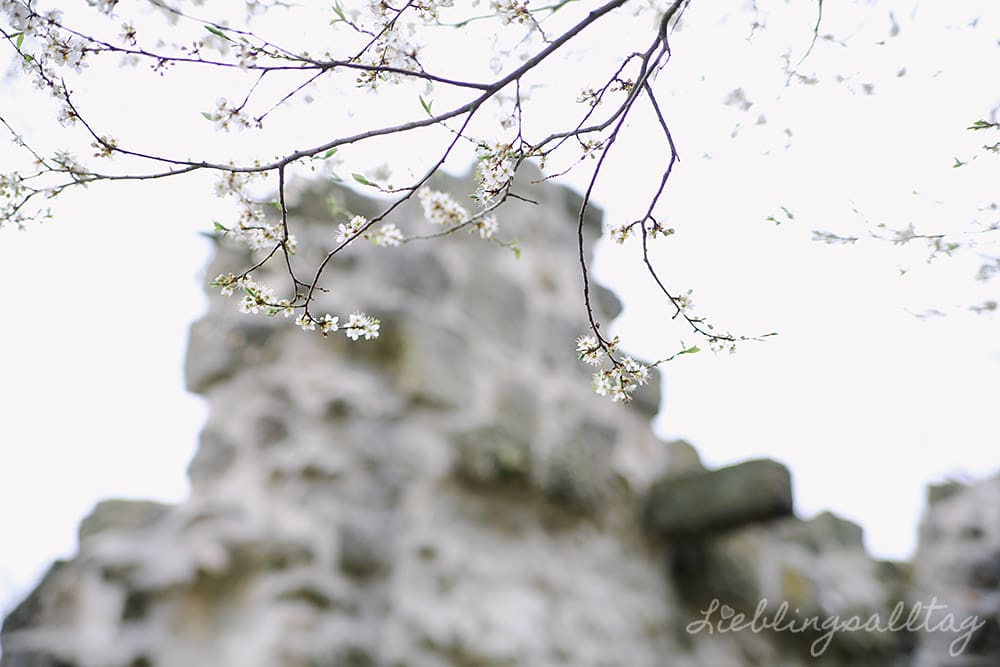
x,y
452,494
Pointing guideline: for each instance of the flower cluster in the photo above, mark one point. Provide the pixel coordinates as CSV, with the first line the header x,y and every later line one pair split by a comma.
x,y
590,350
12,194
104,147
512,11
591,147
390,51
328,324
18,14
67,162
621,234
620,379
428,9
440,208
58,48
360,325
387,235
246,55
684,301
495,170
486,225
226,116
258,297
253,230
11,186
726,343
105,6
653,229
348,231
66,52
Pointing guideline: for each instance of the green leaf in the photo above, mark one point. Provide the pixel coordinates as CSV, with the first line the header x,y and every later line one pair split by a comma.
x,y
958,163
219,227
339,11
517,250
20,40
426,105
329,153
982,125
207,115
215,31
362,180
690,350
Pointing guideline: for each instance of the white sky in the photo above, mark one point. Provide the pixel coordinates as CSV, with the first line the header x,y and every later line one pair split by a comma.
x,y
865,402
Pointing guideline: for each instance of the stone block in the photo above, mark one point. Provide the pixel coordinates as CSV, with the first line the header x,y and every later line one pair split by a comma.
x,y
121,515
749,492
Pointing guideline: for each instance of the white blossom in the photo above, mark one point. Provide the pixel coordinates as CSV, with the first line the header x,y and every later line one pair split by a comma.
x,y
617,381
512,11
226,116
440,208
589,349
18,14
495,170
487,226
249,305
389,50
388,235
360,325
105,6
329,324
621,234
226,282
348,231
684,301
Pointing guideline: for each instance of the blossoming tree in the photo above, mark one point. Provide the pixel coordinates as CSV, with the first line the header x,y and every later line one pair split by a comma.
x,y
487,101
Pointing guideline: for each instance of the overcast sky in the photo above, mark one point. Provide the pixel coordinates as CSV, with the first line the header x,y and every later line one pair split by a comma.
x,y
863,399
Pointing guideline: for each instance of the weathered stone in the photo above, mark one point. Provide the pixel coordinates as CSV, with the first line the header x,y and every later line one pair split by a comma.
x,y
496,307
682,458
214,353
824,531
943,491
363,550
32,610
681,507
449,494
578,471
757,569
213,457
493,454
431,372
957,565
607,305
120,515
421,275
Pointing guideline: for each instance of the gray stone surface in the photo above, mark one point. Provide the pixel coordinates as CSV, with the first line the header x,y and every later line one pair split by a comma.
x,y
453,494
957,565
690,506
